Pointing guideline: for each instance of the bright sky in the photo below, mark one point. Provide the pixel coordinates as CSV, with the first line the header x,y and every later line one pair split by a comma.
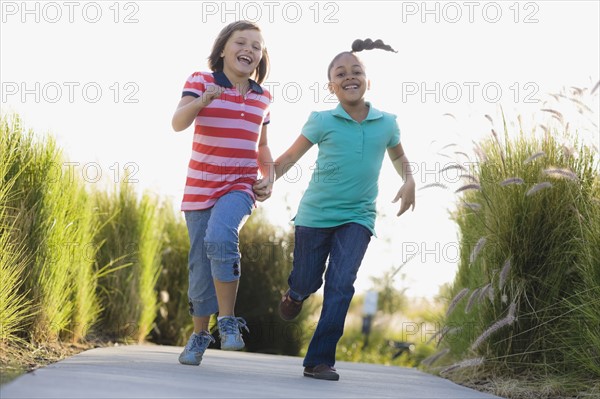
x,y
104,78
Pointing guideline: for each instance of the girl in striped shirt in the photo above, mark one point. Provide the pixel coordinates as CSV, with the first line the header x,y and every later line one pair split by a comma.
x,y
230,112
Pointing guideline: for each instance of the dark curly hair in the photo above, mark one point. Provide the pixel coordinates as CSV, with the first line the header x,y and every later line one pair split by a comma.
x,y
360,45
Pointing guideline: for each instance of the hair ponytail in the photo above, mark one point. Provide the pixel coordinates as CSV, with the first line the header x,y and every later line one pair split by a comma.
x,y
368,44
360,45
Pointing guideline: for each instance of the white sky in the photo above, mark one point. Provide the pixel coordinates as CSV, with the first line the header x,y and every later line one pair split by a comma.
x,y
55,56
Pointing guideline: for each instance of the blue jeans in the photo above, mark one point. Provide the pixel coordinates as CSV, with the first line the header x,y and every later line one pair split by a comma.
x,y
214,248
345,246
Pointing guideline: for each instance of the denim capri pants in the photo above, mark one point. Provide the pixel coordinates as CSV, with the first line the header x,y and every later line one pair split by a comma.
x,y
214,248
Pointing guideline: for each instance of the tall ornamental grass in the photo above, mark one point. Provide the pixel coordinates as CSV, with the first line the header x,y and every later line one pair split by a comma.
x,y
51,220
526,295
129,243
15,307
173,323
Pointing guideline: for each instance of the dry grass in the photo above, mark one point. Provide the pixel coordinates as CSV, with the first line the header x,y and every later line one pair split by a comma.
x,y
526,386
17,360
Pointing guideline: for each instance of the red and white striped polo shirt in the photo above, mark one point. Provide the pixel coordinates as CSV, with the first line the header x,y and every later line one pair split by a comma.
x,y
225,149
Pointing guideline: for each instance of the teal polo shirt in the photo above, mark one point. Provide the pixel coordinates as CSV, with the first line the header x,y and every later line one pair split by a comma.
x,y
344,184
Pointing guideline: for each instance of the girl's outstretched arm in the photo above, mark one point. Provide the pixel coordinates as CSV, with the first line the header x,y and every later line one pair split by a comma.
x,y
265,163
282,164
404,169
291,156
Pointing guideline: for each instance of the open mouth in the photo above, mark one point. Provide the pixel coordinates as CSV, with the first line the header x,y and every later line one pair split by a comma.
x,y
350,87
244,59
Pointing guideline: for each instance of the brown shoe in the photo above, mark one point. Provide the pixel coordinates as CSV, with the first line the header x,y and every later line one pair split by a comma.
x,y
289,308
321,372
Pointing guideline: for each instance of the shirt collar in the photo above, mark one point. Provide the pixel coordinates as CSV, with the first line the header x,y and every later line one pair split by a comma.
x,y
222,80
373,112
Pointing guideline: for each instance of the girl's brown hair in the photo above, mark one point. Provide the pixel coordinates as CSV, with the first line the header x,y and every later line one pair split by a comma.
x,y
215,61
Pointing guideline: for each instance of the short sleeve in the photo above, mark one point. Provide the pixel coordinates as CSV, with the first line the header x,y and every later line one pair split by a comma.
x,y
313,128
194,85
267,119
395,137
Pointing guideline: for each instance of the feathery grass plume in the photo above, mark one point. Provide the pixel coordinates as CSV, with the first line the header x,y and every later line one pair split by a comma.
x,y
455,300
446,331
472,205
471,301
535,156
595,87
504,298
469,177
450,115
561,173
567,151
491,292
512,180
464,154
506,321
520,120
554,113
581,105
453,166
500,148
449,145
538,187
577,91
430,185
479,152
435,357
477,249
504,273
472,186
489,118
512,309
484,291
477,361
437,334
441,334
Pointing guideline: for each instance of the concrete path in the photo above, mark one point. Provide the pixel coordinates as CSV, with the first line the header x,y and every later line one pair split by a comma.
x,y
153,372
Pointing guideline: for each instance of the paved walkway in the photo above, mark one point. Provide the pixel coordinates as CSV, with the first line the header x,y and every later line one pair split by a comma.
x,y
153,372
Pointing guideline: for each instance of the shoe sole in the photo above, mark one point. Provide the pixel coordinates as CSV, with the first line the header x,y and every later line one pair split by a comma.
x,y
327,377
190,363
232,348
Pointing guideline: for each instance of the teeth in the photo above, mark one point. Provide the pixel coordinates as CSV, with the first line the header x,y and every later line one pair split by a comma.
x,y
245,59
351,87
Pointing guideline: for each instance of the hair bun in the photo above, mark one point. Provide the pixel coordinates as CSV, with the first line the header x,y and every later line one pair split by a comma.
x,y
368,44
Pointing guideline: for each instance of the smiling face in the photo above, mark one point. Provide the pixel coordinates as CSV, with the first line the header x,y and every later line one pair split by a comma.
x,y
347,79
242,53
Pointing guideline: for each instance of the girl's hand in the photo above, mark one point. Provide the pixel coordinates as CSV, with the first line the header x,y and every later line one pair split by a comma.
x,y
212,92
262,189
407,193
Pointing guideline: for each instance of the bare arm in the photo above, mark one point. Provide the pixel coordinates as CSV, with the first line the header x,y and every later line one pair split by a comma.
x,y
189,106
404,170
265,159
291,156
265,165
276,169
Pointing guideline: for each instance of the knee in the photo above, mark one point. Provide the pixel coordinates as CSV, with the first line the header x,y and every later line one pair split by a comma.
x,y
223,245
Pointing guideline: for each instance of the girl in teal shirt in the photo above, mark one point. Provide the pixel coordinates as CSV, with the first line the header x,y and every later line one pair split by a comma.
x,y
336,216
